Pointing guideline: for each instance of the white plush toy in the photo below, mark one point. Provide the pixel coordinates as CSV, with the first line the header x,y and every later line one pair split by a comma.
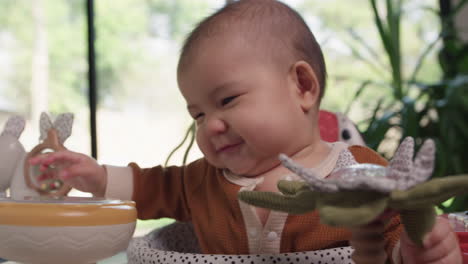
x,y
16,172
11,151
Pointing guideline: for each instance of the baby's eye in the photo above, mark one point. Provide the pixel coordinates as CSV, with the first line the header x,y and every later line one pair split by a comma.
x,y
198,116
227,100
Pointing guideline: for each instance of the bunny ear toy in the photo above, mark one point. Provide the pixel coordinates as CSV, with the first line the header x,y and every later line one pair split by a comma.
x,y
14,127
52,137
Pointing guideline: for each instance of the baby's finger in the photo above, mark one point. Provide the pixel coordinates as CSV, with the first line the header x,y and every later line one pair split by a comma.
x,y
72,171
43,167
441,242
83,177
439,233
44,176
446,247
38,159
455,256
62,156
58,158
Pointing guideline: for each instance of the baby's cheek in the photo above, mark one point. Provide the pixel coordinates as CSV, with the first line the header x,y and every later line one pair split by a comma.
x,y
263,143
203,143
207,149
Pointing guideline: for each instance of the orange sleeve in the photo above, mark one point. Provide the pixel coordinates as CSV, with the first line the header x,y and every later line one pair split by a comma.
x,y
163,191
366,155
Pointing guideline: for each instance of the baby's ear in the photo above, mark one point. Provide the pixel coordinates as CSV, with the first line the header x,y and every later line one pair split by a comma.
x,y
306,84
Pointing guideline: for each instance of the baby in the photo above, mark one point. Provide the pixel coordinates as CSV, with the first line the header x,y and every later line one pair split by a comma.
x,y
253,76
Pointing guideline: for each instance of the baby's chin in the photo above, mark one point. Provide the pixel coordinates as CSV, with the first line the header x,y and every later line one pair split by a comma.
x,y
247,168
254,171
238,171
244,172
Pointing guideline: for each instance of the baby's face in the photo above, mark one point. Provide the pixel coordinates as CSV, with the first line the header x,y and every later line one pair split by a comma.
x,y
245,107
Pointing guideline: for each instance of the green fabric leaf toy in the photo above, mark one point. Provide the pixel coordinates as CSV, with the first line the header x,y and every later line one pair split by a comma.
x,y
357,194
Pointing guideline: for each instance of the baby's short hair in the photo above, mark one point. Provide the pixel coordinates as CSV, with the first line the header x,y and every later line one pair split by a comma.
x,y
274,21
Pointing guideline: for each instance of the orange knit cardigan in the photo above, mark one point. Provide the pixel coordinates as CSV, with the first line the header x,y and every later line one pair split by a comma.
x,y
200,193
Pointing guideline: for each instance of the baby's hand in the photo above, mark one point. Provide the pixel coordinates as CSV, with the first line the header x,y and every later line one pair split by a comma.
x,y
440,246
75,169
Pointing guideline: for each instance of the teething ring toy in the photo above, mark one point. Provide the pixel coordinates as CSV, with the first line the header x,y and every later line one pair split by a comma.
x,y
53,186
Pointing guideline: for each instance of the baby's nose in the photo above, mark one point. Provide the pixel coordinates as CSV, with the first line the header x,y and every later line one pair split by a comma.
x,y
216,125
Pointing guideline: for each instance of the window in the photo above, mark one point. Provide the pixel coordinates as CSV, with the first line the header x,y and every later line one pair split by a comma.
x,y
43,65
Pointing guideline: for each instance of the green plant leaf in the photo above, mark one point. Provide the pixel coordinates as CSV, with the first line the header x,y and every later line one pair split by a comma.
x,y
359,91
460,203
374,62
376,131
427,50
409,118
459,6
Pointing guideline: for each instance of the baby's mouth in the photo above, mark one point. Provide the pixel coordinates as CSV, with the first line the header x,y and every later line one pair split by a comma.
x,y
229,147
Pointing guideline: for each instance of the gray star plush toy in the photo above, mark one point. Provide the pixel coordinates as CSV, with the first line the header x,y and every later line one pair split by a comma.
x,y
358,194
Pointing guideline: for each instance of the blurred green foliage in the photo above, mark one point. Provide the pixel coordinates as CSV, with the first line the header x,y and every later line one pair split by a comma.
x,y
125,33
422,109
